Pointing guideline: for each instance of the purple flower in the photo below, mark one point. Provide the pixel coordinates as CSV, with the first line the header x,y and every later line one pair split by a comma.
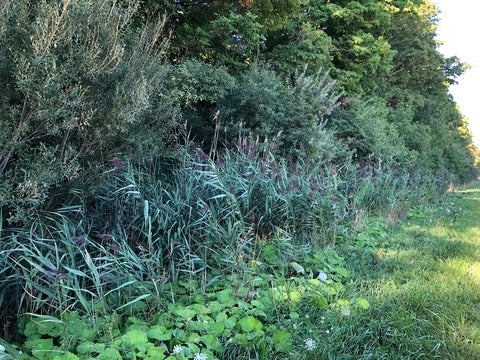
x,y
263,169
296,185
201,156
206,208
314,185
118,164
114,247
104,237
79,240
220,163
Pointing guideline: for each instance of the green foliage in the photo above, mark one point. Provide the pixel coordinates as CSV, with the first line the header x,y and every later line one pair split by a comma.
x,y
219,322
161,251
198,88
79,83
383,57
365,128
268,106
300,42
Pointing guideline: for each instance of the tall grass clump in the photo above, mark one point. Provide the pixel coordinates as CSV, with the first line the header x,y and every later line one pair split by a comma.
x,y
388,190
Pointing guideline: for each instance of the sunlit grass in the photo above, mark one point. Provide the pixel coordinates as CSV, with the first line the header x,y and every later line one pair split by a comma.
x,y
423,284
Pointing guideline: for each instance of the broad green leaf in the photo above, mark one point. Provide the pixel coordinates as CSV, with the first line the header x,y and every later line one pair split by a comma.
x,y
259,312
191,337
66,356
294,315
250,323
241,338
363,303
231,322
160,333
343,272
89,347
185,313
294,296
200,309
258,304
282,341
155,353
211,341
109,354
135,338
215,306
216,328
225,297
221,317
320,301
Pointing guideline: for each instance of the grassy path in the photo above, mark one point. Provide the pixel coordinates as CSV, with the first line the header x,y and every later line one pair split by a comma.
x,y
423,283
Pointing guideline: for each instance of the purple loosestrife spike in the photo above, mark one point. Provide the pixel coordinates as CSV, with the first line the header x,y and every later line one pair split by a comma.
x,y
104,237
79,240
114,247
296,185
118,164
201,156
263,169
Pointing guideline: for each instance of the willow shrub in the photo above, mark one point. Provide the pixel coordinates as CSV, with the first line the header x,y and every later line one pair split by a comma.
x,y
80,84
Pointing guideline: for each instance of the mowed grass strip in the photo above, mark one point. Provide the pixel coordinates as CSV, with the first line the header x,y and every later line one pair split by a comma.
x,y
423,284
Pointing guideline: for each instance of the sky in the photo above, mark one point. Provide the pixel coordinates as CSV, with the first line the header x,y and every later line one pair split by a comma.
x,y
459,28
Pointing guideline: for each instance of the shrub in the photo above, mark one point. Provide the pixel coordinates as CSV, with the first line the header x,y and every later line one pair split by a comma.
x,y
266,105
79,87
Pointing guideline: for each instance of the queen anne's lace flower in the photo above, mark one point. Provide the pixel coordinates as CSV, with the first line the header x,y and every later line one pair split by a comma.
x,y
200,356
310,344
2,348
177,349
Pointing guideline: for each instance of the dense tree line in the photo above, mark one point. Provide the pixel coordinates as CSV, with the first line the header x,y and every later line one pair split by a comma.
x,y
87,81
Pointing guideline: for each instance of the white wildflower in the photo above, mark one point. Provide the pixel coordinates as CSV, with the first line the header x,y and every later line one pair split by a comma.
x,y
200,356
322,276
310,344
177,349
2,348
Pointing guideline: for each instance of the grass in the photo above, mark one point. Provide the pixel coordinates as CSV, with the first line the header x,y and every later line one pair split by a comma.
x,y
423,285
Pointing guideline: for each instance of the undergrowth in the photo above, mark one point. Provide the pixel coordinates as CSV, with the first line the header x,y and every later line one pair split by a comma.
x,y
232,255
